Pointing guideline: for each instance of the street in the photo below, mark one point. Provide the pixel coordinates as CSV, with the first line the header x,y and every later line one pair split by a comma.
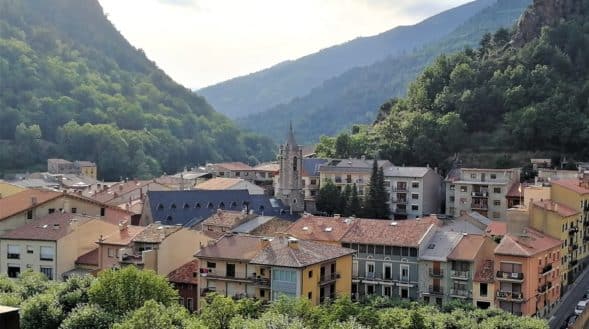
x,y
568,302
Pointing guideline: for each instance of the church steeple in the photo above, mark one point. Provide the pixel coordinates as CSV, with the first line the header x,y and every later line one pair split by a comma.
x,y
289,187
290,139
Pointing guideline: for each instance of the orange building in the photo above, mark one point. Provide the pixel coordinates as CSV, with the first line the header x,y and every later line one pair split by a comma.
x,y
527,268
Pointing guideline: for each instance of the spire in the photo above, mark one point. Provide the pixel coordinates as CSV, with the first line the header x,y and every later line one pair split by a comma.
x,y
291,139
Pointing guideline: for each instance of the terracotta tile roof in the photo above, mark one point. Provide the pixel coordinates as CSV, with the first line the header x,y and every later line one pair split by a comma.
x,y
23,201
273,167
48,228
234,247
273,227
317,228
406,233
115,215
156,233
186,273
530,244
485,272
468,248
234,166
218,183
224,218
574,185
123,237
514,190
556,207
291,252
496,228
121,188
89,258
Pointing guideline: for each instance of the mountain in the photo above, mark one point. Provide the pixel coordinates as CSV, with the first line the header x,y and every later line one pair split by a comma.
x,y
354,96
281,83
71,86
525,90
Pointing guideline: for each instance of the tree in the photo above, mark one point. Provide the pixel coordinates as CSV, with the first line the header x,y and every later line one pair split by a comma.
x,y
218,311
329,198
87,317
343,146
268,320
375,204
345,201
41,312
154,315
127,289
74,292
355,208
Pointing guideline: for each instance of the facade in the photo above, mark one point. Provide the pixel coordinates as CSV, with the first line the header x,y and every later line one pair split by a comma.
x,y
290,182
61,166
311,182
110,245
185,279
222,183
414,191
248,266
527,270
483,286
51,245
126,192
344,172
480,190
232,170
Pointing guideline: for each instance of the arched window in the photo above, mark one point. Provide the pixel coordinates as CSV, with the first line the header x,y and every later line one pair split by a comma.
x,y
233,205
295,164
261,207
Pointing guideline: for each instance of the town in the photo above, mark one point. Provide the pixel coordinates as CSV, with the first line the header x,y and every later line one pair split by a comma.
x,y
481,236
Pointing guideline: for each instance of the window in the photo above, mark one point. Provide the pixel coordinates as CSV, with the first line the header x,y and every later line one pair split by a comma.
x,y
181,301
237,174
379,250
13,252
47,253
295,163
404,272
102,212
190,304
497,202
370,268
413,252
496,190
452,199
483,290
363,248
388,271
310,275
211,265
51,210
396,251
404,251
13,270
197,205
30,249
310,295
111,252
496,214
262,293
473,176
452,187
313,182
404,292
74,210
463,188
493,176
414,207
230,270
414,196
387,291
48,271
30,214
415,184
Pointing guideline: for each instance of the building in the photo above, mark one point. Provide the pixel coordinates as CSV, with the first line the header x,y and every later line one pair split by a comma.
x,y
185,280
483,285
9,317
222,183
163,248
311,182
126,192
61,166
330,230
527,267
350,171
232,170
224,221
29,205
465,260
264,175
480,190
108,252
263,268
414,191
290,179
51,245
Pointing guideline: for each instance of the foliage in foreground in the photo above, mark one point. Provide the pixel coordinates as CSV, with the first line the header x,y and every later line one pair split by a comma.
x,y
145,300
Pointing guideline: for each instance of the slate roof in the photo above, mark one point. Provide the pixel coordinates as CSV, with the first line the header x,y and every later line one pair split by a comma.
x,y
252,224
280,253
311,166
23,201
189,208
48,228
468,248
406,171
186,273
441,245
404,233
155,233
530,244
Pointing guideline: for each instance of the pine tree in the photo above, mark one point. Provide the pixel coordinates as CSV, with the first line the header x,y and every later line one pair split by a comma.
x,y
345,199
329,198
355,207
375,203
381,205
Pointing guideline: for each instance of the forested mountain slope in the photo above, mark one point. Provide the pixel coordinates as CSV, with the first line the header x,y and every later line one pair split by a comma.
x,y
354,96
527,90
281,83
71,86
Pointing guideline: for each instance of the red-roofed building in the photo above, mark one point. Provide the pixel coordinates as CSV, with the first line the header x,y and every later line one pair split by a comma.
x,y
185,279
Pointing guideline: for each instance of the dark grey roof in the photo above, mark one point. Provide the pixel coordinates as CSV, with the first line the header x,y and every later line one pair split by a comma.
x,y
189,208
441,245
406,171
311,166
343,165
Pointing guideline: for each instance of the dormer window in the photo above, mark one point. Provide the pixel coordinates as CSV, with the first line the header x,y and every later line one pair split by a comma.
x,y
221,205
210,206
186,206
261,208
233,205
197,205
169,218
160,207
173,206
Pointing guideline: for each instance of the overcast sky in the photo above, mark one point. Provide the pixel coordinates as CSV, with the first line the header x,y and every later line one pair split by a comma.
x,y
202,42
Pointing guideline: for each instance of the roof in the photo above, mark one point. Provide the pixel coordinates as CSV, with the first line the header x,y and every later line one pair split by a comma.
x,y
476,219
461,225
191,207
530,244
291,252
272,167
155,233
311,166
55,160
345,165
25,200
186,273
273,227
252,224
119,189
573,185
218,183
405,233
514,190
441,245
556,207
468,248
316,228
225,218
85,164
496,228
406,171
7,309
122,237
89,258
233,166
485,272
234,247
35,183
48,228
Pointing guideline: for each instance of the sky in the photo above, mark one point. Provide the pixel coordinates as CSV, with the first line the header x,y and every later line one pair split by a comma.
x,y
203,42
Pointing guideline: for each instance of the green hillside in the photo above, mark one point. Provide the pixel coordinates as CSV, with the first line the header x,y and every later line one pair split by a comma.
x,y
354,96
281,83
71,86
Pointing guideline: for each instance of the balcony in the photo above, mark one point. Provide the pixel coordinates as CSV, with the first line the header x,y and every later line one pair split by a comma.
x,y
543,288
460,275
400,211
574,247
439,273
135,259
546,269
400,188
400,201
510,296
261,282
480,194
460,293
480,206
510,276
236,276
573,262
434,290
573,230
328,278
586,238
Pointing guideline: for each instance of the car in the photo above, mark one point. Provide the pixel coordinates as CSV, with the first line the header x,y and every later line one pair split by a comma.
x,y
571,321
586,295
581,307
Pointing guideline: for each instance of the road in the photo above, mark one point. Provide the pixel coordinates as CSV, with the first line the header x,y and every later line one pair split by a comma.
x,y
568,302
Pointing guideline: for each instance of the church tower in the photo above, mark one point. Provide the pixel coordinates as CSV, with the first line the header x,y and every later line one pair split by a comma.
x,y
290,181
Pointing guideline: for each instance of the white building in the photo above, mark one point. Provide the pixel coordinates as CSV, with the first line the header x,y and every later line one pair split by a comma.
x,y
414,191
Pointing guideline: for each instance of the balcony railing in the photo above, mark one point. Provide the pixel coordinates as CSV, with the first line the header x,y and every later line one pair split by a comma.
x,y
480,194
546,269
479,206
460,293
400,211
573,230
573,262
510,296
327,278
434,290
544,287
462,275
510,276
436,273
399,188
401,201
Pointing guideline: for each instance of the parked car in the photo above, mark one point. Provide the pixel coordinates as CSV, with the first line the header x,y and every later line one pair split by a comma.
x,y
586,295
581,307
571,321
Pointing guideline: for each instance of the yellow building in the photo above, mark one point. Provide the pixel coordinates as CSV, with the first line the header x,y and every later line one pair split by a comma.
x,y
248,266
87,168
350,171
50,245
7,189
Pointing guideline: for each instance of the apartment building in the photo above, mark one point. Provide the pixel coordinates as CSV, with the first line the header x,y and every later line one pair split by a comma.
x,y
527,270
414,191
248,266
480,190
61,166
311,181
185,280
344,172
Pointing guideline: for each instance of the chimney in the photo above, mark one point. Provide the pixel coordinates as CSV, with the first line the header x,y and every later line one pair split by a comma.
x,y
264,242
123,225
293,243
33,201
121,187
